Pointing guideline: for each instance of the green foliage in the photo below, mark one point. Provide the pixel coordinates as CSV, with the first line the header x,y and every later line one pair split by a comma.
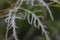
x,y
53,26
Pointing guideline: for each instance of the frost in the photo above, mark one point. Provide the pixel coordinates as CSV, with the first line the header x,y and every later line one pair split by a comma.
x,y
10,20
56,1
44,4
34,20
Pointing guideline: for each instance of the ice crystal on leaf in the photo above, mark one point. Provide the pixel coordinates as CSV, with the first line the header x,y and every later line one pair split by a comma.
x,y
10,20
43,4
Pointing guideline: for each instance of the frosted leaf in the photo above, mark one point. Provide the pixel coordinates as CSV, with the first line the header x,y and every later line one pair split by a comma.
x,y
45,4
38,25
10,20
56,1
